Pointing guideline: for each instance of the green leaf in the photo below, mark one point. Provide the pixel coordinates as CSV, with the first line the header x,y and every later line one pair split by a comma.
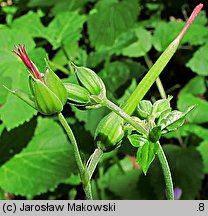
x,y
197,130
91,118
45,162
13,68
195,86
199,114
2,197
95,58
40,3
187,130
65,29
203,149
4,81
173,120
201,18
155,134
115,75
137,70
122,184
10,146
199,62
188,97
67,5
196,35
127,92
137,140
146,155
186,168
30,25
162,37
141,46
109,19
124,40
73,180
9,112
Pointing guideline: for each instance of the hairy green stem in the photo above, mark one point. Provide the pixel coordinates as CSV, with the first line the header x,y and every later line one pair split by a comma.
x,y
160,154
88,191
166,173
93,161
82,171
124,115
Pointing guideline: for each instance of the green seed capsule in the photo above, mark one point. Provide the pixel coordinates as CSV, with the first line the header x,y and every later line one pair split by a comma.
x,y
55,85
77,95
109,132
91,81
46,101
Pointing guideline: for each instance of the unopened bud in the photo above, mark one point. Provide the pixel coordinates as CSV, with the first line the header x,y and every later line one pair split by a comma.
x,y
46,101
109,132
91,81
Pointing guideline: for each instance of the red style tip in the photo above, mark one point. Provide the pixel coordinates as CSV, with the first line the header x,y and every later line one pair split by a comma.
x,y
195,12
21,52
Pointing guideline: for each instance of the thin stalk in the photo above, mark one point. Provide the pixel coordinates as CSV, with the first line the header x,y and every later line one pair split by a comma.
x,y
166,173
161,88
124,115
118,164
180,140
94,159
88,191
158,80
82,171
102,189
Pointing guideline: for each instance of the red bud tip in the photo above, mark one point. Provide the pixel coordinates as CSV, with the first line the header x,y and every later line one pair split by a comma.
x,y
21,52
195,12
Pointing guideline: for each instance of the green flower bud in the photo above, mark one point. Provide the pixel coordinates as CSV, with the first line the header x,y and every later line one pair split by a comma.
x,y
48,92
91,81
144,108
109,132
55,85
80,97
161,106
46,101
77,95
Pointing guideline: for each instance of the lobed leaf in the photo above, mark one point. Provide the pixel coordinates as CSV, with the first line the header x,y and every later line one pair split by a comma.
x,y
47,161
109,19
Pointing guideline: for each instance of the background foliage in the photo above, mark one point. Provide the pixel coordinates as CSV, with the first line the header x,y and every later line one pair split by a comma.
x,y
118,40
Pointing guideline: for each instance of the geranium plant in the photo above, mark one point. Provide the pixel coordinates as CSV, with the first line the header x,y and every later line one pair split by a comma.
x,y
48,95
